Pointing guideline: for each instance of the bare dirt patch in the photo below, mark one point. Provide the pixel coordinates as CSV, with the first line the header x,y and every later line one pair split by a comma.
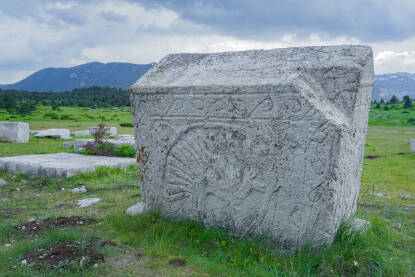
x,y
34,227
126,187
8,212
177,262
108,243
369,157
64,255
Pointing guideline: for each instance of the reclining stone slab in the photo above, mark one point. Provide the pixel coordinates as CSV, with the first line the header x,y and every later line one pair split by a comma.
x,y
261,142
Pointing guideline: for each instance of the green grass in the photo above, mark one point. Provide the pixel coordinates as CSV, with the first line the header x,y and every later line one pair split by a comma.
x,y
76,118
395,116
146,243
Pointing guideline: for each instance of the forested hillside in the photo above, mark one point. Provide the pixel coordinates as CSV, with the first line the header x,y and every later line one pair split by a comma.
x,y
24,102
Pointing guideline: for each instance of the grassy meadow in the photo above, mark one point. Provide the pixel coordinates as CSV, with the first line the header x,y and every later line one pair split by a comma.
x,y
149,245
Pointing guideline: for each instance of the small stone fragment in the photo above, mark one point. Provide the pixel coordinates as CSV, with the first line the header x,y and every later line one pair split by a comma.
x,y
3,182
84,203
79,190
136,209
7,245
360,225
406,196
381,195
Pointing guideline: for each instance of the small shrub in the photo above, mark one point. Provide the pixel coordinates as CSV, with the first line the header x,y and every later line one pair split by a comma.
x,y
66,117
125,151
411,120
126,124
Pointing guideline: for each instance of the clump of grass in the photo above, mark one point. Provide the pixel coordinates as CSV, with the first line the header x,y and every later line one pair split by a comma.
x,y
351,254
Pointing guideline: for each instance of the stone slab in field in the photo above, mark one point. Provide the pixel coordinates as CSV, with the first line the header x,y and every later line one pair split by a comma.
x,y
14,132
54,133
82,133
107,130
61,164
412,145
261,142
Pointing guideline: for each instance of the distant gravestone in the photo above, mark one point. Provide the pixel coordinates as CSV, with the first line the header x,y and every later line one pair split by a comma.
x,y
82,133
412,145
14,132
262,142
54,133
107,130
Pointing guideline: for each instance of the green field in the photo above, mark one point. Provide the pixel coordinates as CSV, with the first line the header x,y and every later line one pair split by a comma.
x,y
74,118
146,244
396,115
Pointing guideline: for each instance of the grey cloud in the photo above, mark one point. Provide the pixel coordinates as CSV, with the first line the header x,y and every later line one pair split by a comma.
x,y
368,20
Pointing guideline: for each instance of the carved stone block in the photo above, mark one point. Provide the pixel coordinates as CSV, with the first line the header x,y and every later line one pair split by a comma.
x,y
14,132
262,142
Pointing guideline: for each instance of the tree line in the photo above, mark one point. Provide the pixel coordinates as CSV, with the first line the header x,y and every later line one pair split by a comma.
x,y
406,101
24,102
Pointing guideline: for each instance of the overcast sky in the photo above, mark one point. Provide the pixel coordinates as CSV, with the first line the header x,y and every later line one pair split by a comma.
x,y
43,33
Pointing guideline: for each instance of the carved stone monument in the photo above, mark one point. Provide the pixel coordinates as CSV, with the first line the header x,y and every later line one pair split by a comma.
x,y
14,132
262,142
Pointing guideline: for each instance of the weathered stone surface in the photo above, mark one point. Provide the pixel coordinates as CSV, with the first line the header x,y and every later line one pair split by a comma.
x,y
136,209
108,130
79,144
61,164
412,145
54,133
260,142
3,182
84,203
80,133
79,190
14,132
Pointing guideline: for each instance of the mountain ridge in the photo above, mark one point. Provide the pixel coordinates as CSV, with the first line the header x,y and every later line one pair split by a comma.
x,y
58,79
123,75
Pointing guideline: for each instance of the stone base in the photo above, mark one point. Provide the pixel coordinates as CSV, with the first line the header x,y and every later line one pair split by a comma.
x,y
61,164
79,144
82,133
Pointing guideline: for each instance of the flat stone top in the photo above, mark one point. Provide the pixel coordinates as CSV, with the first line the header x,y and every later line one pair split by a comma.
x,y
13,123
67,160
254,67
67,164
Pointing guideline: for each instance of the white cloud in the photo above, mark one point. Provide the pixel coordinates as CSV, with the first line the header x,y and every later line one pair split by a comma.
x,y
7,77
68,33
